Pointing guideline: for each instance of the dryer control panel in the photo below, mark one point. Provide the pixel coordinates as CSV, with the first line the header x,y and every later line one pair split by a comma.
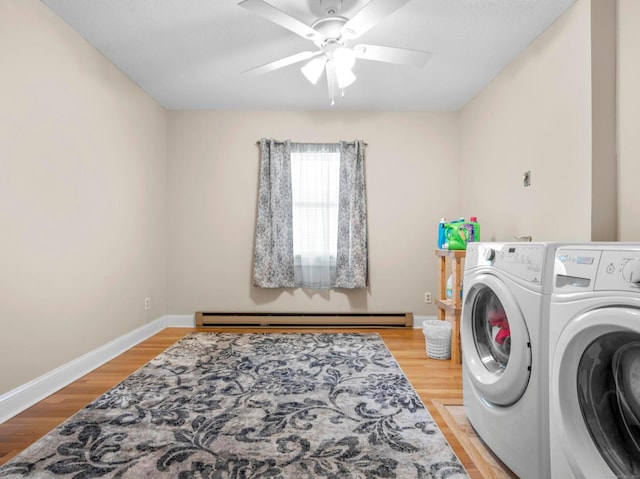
x,y
578,270
619,271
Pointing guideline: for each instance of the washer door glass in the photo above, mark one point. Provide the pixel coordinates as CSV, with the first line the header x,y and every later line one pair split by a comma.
x,y
491,331
495,340
609,396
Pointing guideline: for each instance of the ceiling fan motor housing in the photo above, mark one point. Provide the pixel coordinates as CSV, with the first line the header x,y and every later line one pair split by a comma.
x,y
330,28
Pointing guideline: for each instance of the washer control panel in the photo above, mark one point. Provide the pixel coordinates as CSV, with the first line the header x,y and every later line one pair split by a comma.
x,y
597,270
523,260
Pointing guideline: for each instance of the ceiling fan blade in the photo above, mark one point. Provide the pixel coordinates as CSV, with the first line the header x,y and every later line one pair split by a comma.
x,y
283,62
372,13
279,17
401,56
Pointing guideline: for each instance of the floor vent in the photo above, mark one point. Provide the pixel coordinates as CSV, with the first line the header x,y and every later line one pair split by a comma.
x,y
207,318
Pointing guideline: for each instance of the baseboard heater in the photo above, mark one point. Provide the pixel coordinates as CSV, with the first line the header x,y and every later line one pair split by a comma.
x,y
207,318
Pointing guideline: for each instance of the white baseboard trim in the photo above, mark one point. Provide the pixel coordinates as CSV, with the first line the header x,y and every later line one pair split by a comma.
x,y
26,395
417,320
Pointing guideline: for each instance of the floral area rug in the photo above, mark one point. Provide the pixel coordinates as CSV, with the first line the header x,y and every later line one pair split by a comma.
x,y
241,406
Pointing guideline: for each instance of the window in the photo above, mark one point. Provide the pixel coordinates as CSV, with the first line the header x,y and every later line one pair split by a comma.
x,y
311,222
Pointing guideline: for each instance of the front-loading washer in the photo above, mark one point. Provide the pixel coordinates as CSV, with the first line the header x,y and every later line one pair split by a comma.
x,y
594,348
504,333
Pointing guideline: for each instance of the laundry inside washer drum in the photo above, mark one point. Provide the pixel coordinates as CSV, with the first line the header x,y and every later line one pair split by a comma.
x,y
609,399
626,370
491,330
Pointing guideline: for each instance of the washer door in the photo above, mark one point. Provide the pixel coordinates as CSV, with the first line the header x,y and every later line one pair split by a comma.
x,y
596,371
495,341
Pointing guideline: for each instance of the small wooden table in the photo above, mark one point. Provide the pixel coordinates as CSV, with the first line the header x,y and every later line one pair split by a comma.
x,y
452,305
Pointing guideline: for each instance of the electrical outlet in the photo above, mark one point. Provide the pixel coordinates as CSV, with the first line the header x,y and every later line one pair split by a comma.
x,y
427,298
147,304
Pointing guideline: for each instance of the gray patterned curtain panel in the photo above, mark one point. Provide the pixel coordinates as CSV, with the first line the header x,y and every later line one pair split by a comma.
x,y
274,265
352,263
273,256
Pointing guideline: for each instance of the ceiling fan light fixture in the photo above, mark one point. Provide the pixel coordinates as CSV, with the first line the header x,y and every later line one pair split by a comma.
x,y
344,58
313,69
344,76
343,61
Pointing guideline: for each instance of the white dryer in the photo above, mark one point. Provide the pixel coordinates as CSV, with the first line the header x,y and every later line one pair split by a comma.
x,y
504,332
594,352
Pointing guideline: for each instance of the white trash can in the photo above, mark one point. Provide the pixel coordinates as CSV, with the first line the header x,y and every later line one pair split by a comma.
x,y
437,337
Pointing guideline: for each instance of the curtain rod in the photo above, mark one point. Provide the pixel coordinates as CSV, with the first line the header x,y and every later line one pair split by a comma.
x,y
258,142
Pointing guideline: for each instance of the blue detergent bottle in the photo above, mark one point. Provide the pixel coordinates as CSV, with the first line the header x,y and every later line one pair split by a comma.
x,y
441,236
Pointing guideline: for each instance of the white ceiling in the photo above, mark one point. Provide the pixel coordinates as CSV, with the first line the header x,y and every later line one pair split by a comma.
x,y
190,54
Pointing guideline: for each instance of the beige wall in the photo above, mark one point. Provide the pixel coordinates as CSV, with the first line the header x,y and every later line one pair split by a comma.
x,y
536,115
628,120
82,197
411,172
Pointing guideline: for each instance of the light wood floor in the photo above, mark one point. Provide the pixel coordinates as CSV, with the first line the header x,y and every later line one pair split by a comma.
x,y
432,379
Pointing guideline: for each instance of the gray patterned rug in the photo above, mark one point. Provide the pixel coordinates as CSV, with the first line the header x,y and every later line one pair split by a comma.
x,y
241,406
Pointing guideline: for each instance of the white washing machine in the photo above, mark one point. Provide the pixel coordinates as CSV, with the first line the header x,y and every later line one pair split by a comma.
x,y
504,333
594,347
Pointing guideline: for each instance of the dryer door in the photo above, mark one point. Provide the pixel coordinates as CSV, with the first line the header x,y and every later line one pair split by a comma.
x,y
596,374
495,340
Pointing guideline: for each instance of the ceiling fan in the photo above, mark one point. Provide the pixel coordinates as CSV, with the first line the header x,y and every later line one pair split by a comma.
x,y
332,34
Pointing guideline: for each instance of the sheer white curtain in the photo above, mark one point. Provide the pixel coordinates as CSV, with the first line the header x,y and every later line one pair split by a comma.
x,y
315,182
